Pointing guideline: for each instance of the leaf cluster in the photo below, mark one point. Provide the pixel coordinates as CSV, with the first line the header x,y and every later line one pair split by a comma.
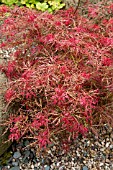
x,y
42,5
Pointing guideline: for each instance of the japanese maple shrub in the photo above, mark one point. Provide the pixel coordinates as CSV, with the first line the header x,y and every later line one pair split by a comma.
x,y
60,76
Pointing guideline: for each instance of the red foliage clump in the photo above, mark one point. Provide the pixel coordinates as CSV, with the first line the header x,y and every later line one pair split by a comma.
x,y
61,75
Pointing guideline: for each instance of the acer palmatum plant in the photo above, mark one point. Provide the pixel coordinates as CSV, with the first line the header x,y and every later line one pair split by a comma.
x,y
61,75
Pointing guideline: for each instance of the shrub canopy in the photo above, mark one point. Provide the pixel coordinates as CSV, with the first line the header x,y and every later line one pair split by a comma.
x,y
61,73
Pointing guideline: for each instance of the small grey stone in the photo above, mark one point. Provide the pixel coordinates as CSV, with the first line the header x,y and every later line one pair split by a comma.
x,y
27,153
15,168
107,161
26,143
17,155
15,163
107,144
37,159
47,161
20,145
101,164
47,168
43,161
8,166
85,168
85,154
34,160
35,168
111,146
32,166
31,155
25,160
61,167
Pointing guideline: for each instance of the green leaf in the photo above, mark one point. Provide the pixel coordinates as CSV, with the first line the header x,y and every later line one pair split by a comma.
x,y
8,2
42,6
50,10
19,3
32,1
28,5
23,1
32,6
55,5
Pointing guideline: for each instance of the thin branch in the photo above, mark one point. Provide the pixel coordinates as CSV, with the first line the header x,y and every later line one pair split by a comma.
x,y
77,6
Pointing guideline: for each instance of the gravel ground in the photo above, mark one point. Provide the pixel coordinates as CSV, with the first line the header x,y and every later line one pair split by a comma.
x,y
90,153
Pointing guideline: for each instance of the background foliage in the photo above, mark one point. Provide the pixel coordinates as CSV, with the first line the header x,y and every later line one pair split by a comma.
x,y
49,5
